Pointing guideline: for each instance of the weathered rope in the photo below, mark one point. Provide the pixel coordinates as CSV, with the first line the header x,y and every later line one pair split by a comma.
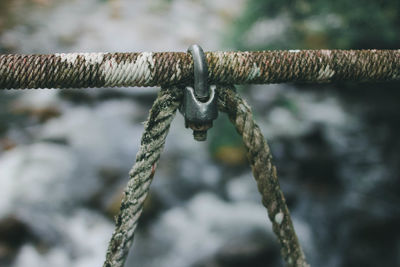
x,y
264,172
83,70
141,175
156,129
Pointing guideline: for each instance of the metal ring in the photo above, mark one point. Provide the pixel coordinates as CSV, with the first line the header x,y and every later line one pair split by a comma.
x,y
201,89
199,106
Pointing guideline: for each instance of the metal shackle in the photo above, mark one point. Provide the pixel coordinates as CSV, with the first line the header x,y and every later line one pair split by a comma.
x,y
199,102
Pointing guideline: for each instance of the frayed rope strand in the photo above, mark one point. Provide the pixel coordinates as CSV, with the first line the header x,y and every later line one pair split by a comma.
x,y
141,175
264,172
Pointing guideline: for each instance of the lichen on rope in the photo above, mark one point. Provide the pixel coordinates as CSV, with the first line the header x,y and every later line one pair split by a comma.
x,y
84,70
156,129
152,143
259,156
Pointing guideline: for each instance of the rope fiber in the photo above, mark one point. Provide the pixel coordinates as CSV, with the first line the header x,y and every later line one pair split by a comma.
x,y
156,129
152,143
85,70
264,172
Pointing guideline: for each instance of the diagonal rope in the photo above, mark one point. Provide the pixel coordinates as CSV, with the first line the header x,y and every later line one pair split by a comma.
x,y
153,139
141,175
264,172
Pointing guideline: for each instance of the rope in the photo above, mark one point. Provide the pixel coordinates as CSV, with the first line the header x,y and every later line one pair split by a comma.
x,y
141,175
264,172
156,129
83,70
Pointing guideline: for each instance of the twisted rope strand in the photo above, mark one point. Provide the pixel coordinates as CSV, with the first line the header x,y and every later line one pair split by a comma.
x,y
264,172
83,70
153,139
141,175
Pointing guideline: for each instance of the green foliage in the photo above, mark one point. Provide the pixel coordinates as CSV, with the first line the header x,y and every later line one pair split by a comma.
x,y
322,24
223,125
225,144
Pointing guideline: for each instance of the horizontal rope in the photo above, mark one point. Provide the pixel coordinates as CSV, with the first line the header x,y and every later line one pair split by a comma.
x,y
84,70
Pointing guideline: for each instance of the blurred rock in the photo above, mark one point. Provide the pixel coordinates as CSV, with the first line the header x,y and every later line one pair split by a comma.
x,y
112,209
40,106
253,249
197,230
7,144
40,114
109,195
82,239
231,155
13,234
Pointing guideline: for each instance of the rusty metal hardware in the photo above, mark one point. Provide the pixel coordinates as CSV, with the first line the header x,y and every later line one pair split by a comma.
x,y
199,102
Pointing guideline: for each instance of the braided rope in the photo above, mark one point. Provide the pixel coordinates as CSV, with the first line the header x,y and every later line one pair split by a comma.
x,y
264,172
83,70
141,175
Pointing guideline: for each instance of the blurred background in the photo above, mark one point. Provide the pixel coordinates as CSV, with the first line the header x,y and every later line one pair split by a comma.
x,y
65,154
